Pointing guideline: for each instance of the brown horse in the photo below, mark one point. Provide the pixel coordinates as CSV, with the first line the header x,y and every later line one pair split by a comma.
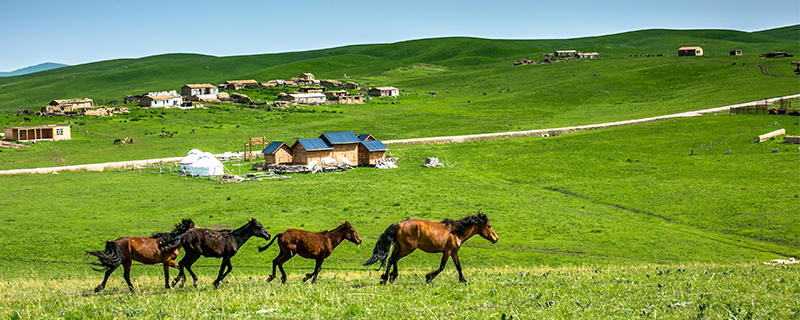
x,y
143,249
215,244
309,245
444,236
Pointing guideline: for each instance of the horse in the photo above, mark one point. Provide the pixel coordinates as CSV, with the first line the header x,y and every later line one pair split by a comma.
x,y
444,236
309,245
118,141
215,244
146,250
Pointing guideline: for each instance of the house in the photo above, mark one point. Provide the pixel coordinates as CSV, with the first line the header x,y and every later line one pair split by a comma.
x,y
351,85
384,92
589,55
366,137
690,51
371,151
348,99
203,91
32,133
277,152
307,77
240,84
566,53
345,145
736,52
72,105
343,97
305,151
163,99
303,98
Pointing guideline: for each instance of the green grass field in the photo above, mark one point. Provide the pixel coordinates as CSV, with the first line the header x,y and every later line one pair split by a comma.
x,y
623,222
600,209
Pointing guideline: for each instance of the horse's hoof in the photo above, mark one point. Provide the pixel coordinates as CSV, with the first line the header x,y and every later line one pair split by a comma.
x,y
283,280
98,289
383,282
270,278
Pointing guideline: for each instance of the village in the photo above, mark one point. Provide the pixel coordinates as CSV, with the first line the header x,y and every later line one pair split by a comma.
x,y
330,151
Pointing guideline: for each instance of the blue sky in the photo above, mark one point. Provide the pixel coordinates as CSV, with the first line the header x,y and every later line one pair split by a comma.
x,y
77,31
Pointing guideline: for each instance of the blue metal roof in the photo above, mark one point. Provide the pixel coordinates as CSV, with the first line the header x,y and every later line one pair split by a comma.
x,y
374,145
340,137
272,147
363,136
315,144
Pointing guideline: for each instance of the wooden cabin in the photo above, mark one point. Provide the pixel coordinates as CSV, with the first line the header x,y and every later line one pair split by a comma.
x,y
307,150
370,151
277,153
345,145
33,133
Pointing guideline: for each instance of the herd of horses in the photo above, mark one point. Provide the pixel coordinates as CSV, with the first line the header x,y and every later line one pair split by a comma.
x,y
444,236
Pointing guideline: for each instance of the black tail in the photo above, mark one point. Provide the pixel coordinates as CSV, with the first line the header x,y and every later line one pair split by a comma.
x,y
383,246
261,249
171,241
110,258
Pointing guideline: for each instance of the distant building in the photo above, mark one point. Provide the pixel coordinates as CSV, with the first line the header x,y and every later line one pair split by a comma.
x,y
163,99
203,91
33,133
240,84
690,51
566,53
307,77
343,97
311,90
384,92
303,98
775,54
306,150
589,55
736,52
70,105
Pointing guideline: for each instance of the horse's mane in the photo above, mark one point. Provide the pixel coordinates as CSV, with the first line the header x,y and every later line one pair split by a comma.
x,y
179,229
460,226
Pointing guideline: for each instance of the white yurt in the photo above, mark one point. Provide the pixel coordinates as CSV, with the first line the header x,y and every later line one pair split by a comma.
x,y
206,165
190,158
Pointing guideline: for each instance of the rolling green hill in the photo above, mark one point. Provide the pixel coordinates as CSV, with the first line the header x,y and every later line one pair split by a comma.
x,y
116,78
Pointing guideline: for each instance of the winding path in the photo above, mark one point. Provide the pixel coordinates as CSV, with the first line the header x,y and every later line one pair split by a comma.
x,y
448,139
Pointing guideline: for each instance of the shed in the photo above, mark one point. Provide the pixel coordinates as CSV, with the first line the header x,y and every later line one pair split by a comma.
x,y
307,76
164,99
277,152
366,137
566,53
203,91
31,133
307,150
690,51
345,145
370,151
736,52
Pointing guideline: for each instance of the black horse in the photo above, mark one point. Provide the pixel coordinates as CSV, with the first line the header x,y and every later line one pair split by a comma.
x,y
215,244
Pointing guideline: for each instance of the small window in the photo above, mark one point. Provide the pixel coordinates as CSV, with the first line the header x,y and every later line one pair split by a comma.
x,y
59,132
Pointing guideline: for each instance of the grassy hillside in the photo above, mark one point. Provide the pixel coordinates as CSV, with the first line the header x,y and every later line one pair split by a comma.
x,y
115,78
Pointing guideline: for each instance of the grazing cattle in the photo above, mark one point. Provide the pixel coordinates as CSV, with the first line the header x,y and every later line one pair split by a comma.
x,y
309,245
158,248
118,141
444,236
215,244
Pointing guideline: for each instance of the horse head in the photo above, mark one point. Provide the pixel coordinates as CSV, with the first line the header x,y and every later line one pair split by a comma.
x,y
486,231
259,230
350,233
